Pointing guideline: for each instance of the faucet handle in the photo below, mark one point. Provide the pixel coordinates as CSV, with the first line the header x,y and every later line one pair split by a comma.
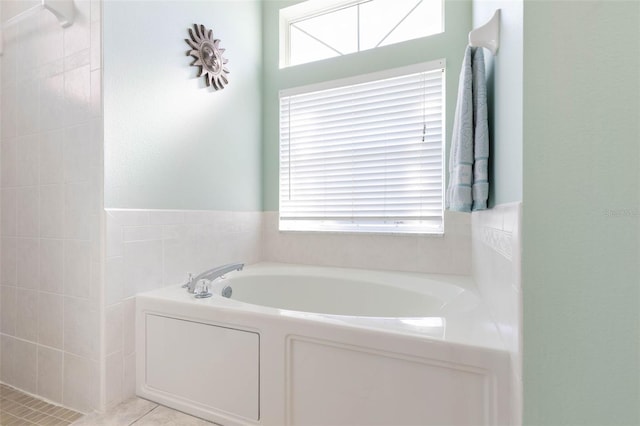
x,y
202,289
189,280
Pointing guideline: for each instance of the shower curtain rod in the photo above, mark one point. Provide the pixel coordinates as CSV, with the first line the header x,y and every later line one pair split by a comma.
x,y
64,10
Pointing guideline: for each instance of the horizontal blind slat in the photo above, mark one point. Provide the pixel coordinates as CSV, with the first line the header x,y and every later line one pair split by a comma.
x,y
368,154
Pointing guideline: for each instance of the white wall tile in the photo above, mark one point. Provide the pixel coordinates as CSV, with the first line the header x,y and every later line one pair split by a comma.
x,y
114,280
80,203
142,266
8,262
52,211
114,366
77,37
51,161
50,324
114,235
27,160
49,383
80,383
77,268
114,332
128,325
77,93
77,60
28,262
8,112
130,217
53,114
166,217
95,106
25,365
496,244
27,32
51,141
8,151
28,211
95,12
129,380
51,277
8,216
9,56
51,39
50,321
79,154
8,310
7,355
27,117
141,233
81,327
449,254
27,315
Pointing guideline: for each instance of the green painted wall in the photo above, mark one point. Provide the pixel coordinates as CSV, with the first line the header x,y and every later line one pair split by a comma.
x,y
449,45
170,142
581,214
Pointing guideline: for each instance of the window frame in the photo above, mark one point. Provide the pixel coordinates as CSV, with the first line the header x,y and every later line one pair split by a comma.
x,y
365,78
310,9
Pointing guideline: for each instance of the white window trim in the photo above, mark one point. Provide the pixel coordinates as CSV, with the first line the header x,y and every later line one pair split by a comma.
x,y
364,78
309,9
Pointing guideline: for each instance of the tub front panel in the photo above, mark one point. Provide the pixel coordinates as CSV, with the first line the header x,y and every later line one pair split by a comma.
x,y
190,360
382,388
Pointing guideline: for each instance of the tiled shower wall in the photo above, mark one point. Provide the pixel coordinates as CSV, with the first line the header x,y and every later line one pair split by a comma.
x,y
149,249
51,194
497,258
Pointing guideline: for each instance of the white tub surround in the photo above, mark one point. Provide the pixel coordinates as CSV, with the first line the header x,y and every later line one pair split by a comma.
x,y
497,271
441,254
240,363
149,249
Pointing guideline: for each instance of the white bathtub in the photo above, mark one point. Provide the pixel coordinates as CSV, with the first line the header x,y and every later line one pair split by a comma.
x,y
298,345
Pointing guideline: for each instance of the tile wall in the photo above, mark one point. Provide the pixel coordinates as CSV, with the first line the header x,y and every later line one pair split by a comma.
x,y
51,198
148,249
497,246
448,254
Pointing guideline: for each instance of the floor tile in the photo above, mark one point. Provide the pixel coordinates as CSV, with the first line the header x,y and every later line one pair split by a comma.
x,y
163,416
124,414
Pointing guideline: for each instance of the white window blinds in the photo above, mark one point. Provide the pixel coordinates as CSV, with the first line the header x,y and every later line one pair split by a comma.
x,y
364,157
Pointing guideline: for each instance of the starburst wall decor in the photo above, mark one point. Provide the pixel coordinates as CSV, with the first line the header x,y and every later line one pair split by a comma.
x,y
208,56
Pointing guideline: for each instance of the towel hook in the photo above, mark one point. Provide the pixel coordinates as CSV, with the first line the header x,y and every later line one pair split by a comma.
x,y
487,35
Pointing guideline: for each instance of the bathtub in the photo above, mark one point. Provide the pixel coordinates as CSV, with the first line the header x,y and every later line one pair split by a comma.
x,y
303,345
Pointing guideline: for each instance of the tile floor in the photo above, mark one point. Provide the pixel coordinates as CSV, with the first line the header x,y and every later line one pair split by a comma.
x,y
140,412
20,409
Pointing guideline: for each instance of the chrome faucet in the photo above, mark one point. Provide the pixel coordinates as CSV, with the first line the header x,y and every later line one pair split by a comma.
x,y
212,274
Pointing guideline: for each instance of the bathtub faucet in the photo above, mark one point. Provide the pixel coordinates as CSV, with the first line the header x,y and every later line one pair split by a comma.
x,y
212,274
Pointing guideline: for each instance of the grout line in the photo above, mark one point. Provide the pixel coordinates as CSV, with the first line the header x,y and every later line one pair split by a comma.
x,y
143,416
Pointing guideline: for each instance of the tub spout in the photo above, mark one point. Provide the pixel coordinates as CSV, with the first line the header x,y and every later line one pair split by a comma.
x,y
212,274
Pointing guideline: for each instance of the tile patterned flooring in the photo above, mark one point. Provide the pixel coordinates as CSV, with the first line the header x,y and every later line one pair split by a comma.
x,y
20,409
140,412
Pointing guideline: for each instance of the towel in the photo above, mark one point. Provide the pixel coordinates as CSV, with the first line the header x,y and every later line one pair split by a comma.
x,y
469,157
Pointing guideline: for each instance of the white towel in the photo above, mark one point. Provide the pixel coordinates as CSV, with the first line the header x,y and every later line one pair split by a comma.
x,y
468,160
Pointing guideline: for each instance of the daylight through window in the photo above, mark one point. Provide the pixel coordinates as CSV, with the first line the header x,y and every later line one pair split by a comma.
x,y
313,31
364,155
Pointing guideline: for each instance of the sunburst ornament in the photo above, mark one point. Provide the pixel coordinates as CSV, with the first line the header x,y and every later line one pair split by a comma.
x,y
208,56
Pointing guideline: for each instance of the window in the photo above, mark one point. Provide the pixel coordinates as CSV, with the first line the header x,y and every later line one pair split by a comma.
x,y
364,154
320,29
